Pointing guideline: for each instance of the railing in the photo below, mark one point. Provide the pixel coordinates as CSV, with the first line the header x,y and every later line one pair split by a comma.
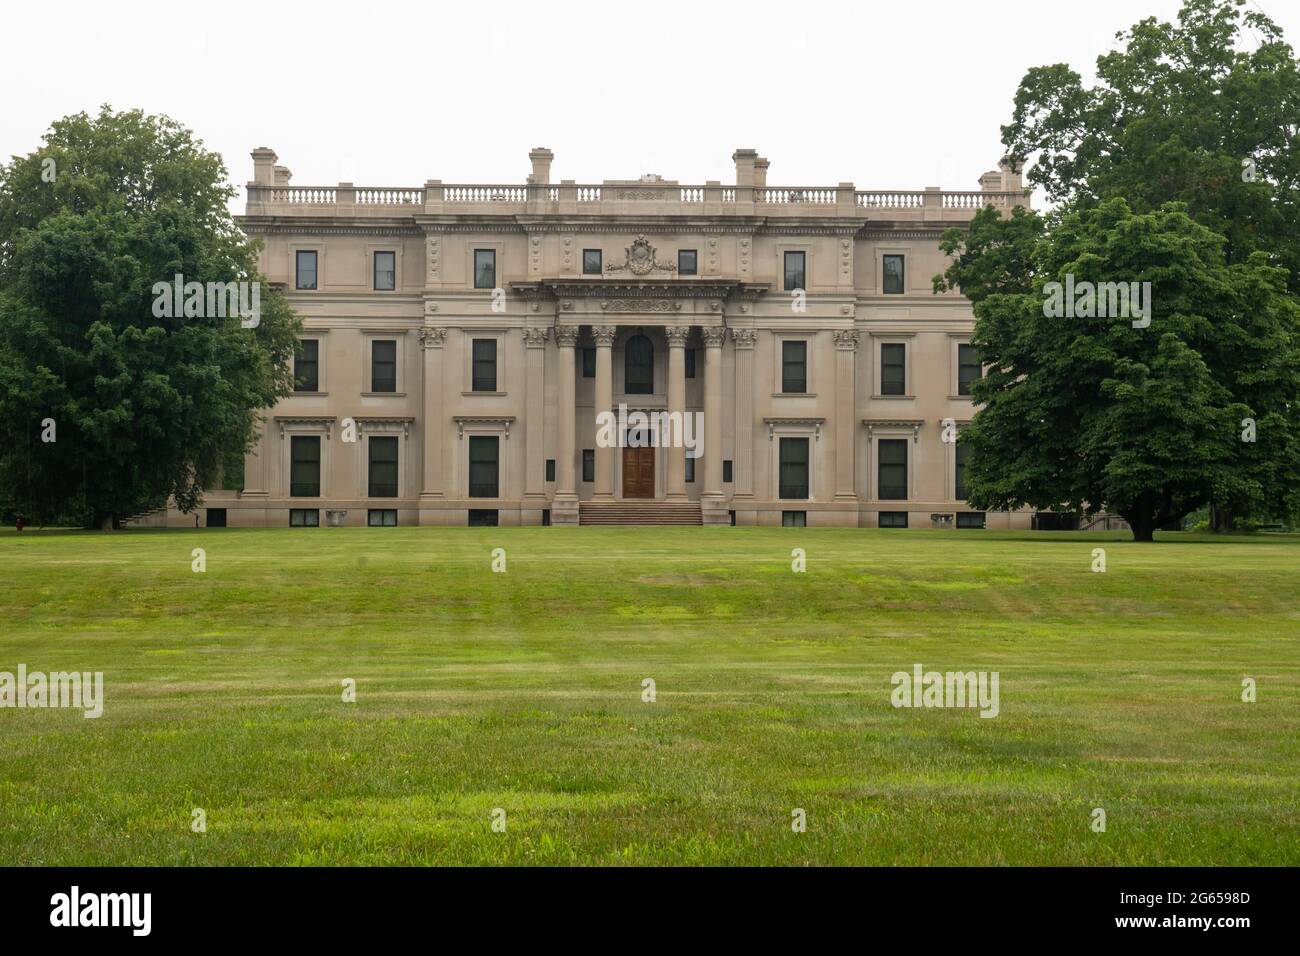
x,y
303,195
480,194
389,197
813,196
891,200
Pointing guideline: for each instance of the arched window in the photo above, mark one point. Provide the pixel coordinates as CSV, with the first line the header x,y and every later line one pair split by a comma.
x,y
638,366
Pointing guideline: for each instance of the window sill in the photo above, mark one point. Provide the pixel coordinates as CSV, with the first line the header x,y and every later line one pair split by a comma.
x,y
487,394
960,398
893,398
794,394
383,395
309,394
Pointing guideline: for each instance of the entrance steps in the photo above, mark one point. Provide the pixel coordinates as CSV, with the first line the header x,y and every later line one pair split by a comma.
x,y
639,513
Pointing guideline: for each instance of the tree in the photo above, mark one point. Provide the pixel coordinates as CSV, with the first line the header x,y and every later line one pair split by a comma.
x,y
1091,409
1205,112
144,406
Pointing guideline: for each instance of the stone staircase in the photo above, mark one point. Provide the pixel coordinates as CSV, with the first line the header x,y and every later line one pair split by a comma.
x,y
639,513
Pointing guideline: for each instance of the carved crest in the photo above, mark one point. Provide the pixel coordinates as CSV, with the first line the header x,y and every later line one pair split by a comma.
x,y
640,259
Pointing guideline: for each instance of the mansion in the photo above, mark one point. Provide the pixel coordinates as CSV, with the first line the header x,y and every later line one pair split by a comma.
x,y
460,341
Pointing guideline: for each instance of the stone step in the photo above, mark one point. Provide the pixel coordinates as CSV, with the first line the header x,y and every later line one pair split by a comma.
x,y
636,513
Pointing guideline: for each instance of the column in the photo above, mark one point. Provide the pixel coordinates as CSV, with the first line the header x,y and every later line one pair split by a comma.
x,y
846,344
535,413
604,402
676,453
565,510
713,338
431,422
743,463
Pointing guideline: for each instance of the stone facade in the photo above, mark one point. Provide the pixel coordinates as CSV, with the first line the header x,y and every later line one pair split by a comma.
x,y
718,335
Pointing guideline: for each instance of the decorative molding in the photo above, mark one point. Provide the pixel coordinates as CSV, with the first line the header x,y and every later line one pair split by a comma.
x,y
430,307
566,336
383,425
744,338
604,335
677,335
895,424
498,421
846,340
640,259
814,423
431,244
641,305
431,338
319,421
714,336
535,338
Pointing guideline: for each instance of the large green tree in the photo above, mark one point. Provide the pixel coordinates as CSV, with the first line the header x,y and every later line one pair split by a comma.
x,y
1088,411
144,407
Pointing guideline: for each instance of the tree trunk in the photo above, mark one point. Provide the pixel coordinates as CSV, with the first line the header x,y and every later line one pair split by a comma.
x,y
1141,518
106,523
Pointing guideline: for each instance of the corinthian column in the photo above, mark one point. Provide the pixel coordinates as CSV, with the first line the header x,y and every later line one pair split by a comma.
x,y
431,420
846,344
535,412
713,339
677,336
565,510
743,464
604,335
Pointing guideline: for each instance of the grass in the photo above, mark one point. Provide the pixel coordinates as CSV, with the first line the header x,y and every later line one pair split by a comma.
x,y
523,691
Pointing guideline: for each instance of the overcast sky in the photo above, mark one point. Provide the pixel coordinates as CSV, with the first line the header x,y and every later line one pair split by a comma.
x,y
901,94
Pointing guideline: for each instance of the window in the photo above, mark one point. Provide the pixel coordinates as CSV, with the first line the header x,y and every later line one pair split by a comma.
x,y
483,466
687,262
383,365
306,366
893,368
726,469
381,518
304,466
546,517
304,518
385,271
485,365
690,468
794,468
961,452
550,469
638,366
969,367
690,362
591,262
483,518
485,268
588,464
970,519
383,466
893,519
794,519
306,277
794,271
216,517
893,275
891,475
588,363
794,367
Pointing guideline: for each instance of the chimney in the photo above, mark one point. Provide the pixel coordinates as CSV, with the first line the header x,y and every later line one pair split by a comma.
x,y
745,160
281,175
1011,178
991,181
760,171
263,166
541,158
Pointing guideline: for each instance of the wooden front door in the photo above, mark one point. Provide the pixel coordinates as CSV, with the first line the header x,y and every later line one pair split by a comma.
x,y
638,472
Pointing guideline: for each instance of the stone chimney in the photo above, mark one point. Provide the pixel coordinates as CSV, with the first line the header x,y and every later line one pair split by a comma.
x,y
541,158
760,171
745,160
281,175
263,166
1012,180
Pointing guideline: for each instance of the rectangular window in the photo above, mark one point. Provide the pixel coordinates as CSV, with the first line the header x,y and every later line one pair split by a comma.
x,y
216,517
550,469
687,262
485,365
690,363
591,262
891,473
385,271
383,365
485,268
893,519
383,466
304,466
794,271
304,518
969,367
794,367
970,519
894,275
306,366
794,519
306,270
961,452
381,518
794,468
690,468
726,469
588,363
483,518
483,466
588,464
893,368
546,517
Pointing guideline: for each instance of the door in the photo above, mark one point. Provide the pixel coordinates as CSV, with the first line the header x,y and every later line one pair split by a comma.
x,y
639,472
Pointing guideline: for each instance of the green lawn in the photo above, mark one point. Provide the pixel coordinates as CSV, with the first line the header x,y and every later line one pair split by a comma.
x,y
523,690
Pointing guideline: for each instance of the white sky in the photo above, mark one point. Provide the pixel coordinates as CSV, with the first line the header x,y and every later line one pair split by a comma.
x,y
900,94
